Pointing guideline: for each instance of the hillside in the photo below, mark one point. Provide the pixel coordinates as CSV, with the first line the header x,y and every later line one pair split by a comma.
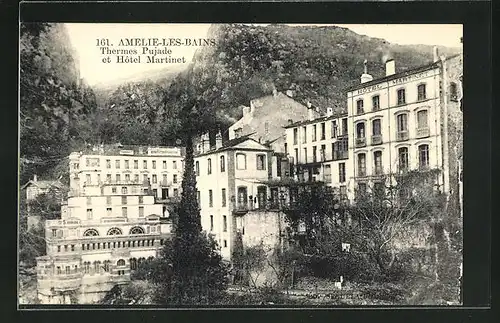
x,y
317,62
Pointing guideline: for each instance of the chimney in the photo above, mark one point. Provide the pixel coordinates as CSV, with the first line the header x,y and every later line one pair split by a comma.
x,y
35,178
365,77
289,93
310,111
246,111
329,112
205,143
435,54
390,67
218,140
290,121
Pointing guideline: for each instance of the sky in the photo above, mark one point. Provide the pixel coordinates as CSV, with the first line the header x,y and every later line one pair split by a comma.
x,y
84,37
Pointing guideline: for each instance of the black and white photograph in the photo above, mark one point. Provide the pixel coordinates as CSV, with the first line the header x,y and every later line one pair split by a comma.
x,y
239,164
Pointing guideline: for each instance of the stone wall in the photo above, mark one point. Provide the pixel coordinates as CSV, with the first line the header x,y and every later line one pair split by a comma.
x,y
264,227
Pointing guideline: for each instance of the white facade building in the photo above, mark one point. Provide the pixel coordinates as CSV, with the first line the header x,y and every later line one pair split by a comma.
x,y
107,226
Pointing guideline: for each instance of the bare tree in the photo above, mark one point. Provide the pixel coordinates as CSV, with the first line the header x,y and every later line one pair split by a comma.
x,y
390,210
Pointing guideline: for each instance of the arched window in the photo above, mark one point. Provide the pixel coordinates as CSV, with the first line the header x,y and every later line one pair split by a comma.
x,y
361,164
120,262
150,258
114,231
136,230
423,156
403,159
90,233
360,130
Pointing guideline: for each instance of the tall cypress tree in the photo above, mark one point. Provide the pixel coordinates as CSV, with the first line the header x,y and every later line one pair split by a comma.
x,y
198,275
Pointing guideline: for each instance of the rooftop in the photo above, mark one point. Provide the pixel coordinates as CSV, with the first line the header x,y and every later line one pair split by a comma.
x,y
230,144
133,150
418,69
320,119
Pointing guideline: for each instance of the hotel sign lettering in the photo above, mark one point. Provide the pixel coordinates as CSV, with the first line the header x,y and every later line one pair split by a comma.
x,y
164,151
397,81
409,78
126,152
371,88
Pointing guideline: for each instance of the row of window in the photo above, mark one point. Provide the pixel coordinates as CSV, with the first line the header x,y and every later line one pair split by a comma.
x,y
401,126
322,126
224,223
403,160
211,198
241,163
136,178
98,267
401,99
109,212
124,199
109,245
341,173
339,150
95,162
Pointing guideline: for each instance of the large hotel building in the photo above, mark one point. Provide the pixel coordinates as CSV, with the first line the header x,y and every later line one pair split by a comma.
x,y
116,215
410,120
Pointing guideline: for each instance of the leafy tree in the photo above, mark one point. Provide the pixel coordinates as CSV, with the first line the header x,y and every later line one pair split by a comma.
x,y
317,207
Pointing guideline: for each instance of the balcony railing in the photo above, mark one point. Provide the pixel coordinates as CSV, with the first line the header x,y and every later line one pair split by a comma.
x,y
361,172
423,132
401,135
376,139
340,154
378,171
360,142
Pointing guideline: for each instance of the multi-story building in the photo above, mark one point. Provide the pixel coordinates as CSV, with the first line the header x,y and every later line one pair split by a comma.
x,y
264,119
160,168
405,121
318,150
232,179
35,188
107,226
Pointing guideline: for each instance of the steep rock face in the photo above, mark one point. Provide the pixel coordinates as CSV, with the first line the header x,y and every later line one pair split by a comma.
x,y
318,63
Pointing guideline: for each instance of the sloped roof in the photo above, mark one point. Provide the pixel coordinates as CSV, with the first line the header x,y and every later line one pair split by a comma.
x,y
232,143
43,184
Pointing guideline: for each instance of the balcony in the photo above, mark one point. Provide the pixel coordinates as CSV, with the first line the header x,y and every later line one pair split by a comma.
x,y
361,172
165,183
360,142
378,171
423,132
402,135
340,154
376,140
